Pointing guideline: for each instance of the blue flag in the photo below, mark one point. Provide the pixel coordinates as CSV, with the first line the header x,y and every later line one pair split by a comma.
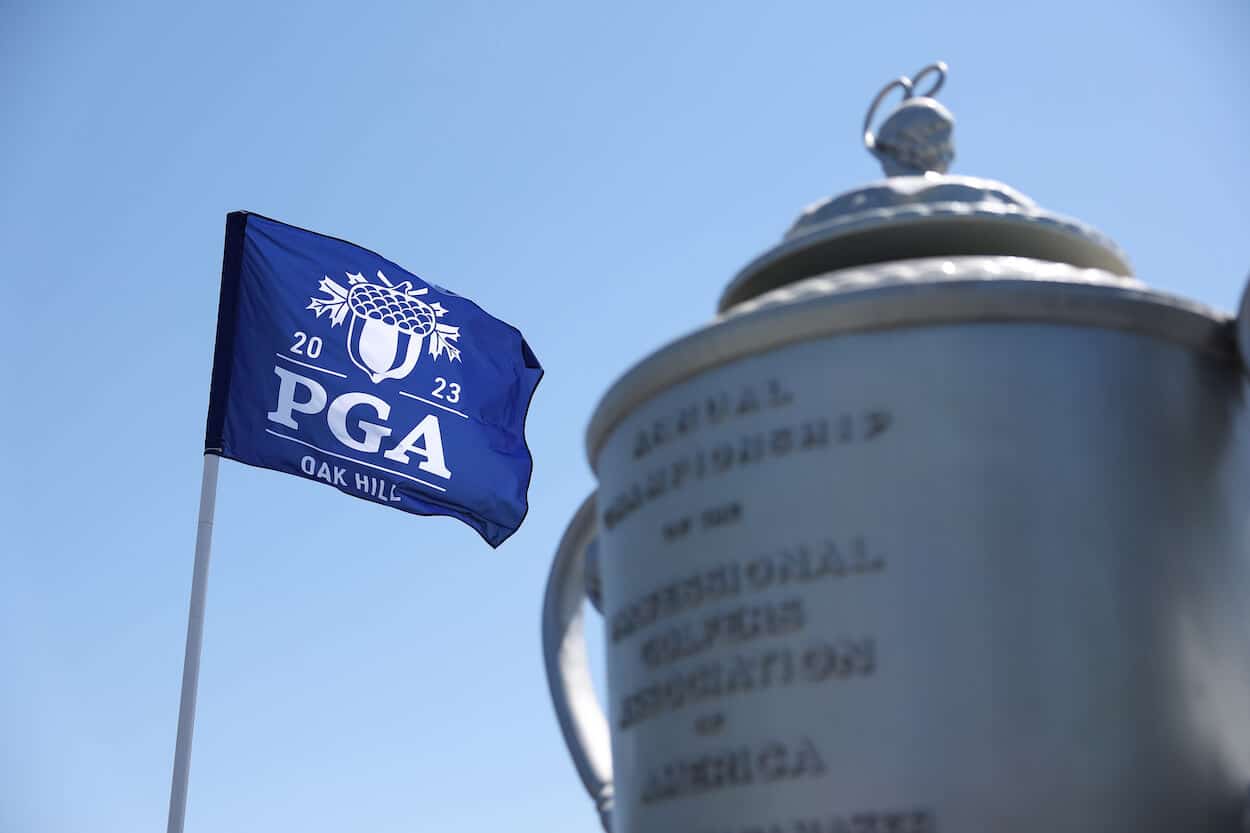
x,y
334,364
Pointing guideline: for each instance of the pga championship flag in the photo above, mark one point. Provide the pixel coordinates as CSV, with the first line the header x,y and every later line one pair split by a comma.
x,y
334,364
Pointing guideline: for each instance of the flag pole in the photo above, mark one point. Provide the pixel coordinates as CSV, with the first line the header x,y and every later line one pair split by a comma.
x,y
195,638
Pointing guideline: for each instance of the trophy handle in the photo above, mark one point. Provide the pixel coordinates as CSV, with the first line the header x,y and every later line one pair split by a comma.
x,y
582,721
1243,345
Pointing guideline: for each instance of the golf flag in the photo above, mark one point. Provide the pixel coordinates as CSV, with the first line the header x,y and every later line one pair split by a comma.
x,y
335,364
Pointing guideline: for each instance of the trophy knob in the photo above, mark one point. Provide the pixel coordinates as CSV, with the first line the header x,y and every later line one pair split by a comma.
x,y
916,137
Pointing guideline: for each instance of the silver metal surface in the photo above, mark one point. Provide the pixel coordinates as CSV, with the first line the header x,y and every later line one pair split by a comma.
x,y
914,293
940,526
568,668
919,211
925,229
1037,536
906,218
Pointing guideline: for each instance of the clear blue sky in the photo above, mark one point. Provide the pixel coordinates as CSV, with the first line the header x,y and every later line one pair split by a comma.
x,y
594,174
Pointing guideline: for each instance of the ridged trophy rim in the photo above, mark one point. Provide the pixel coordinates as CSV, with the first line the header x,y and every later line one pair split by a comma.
x,y
960,215
913,293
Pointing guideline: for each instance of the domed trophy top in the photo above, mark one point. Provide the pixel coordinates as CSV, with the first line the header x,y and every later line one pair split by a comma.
x,y
919,210
921,247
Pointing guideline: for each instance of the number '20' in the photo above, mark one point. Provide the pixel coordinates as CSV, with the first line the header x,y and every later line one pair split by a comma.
x,y
305,346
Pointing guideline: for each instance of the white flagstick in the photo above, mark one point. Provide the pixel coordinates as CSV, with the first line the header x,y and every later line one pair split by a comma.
x,y
195,637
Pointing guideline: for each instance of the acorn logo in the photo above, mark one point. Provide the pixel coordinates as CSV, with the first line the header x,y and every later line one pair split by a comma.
x,y
390,324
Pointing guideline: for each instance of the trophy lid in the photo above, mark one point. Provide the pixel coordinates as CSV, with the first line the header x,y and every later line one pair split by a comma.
x,y
920,210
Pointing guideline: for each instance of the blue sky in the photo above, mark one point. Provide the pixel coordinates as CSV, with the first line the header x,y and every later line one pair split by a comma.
x,y
593,174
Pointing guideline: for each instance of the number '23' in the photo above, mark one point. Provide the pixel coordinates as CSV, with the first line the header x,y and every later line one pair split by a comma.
x,y
452,390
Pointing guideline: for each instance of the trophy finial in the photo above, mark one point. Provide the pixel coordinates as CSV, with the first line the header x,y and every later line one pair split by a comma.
x,y
916,137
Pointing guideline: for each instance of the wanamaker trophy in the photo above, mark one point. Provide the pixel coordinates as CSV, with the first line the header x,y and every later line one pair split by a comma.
x,y
942,524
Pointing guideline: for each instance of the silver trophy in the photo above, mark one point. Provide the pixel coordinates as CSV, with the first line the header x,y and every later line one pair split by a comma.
x,y
943,524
